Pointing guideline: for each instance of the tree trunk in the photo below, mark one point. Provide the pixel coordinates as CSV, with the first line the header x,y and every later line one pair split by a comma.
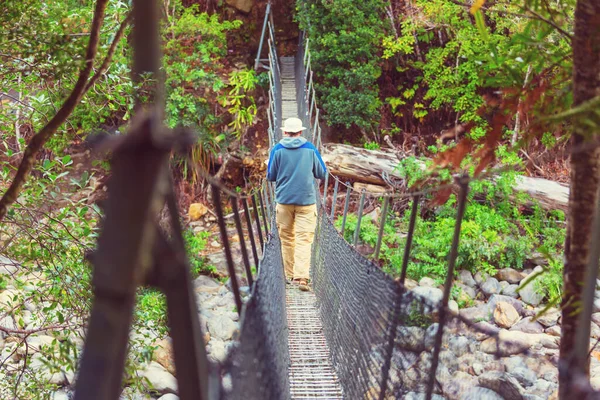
x,y
583,195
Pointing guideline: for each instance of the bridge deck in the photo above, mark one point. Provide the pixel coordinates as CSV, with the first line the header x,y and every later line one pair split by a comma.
x,y
311,374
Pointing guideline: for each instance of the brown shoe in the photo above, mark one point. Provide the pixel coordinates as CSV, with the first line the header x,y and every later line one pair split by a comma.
x,y
303,285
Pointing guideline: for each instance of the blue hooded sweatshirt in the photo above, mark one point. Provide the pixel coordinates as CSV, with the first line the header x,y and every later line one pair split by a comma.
x,y
294,164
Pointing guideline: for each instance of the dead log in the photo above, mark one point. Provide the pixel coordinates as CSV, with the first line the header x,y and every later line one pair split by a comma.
x,y
360,164
367,166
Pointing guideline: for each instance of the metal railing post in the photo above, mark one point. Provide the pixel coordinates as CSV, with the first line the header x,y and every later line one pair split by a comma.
x,y
462,201
360,212
335,192
409,238
384,211
262,35
346,205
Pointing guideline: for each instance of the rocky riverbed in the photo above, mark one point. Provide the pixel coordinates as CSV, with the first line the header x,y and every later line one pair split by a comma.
x,y
518,361
516,358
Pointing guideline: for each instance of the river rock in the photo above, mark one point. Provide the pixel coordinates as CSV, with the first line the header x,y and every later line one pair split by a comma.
x,y
528,290
217,351
511,291
206,284
197,211
507,343
60,395
481,277
169,396
244,6
517,304
527,325
476,314
524,376
164,355
505,314
410,338
491,286
465,290
483,330
427,282
549,318
553,331
221,327
503,384
479,393
466,277
459,345
410,284
8,267
159,379
431,296
46,374
509,275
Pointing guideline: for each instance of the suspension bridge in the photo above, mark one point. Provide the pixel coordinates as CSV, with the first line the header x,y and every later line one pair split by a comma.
x,y
360,334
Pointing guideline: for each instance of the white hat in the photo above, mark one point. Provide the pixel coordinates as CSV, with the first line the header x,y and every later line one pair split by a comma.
x,y
292,125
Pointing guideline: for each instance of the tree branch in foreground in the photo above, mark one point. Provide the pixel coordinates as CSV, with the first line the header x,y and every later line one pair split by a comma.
x,y
39,140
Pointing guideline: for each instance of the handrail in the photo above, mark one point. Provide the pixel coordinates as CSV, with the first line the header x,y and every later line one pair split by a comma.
x,y
262,35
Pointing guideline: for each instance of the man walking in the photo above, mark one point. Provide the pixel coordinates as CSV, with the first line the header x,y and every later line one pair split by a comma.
x,y
294,163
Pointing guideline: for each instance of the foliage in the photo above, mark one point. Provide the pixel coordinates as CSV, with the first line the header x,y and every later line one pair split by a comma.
x,y
344,40
195,244
496,233
41,56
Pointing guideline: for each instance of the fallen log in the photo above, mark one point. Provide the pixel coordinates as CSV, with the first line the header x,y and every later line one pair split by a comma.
x,y
359,164
367,166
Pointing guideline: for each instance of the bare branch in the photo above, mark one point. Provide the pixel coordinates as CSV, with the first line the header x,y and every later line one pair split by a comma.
x,y
39,140
111,52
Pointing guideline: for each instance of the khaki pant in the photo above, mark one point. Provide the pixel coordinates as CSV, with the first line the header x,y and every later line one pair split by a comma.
x,y
296,225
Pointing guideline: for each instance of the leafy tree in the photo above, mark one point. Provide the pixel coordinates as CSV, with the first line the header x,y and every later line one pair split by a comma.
x,y
345,39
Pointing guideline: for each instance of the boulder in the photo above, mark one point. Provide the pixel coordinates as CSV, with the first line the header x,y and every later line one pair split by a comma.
x,y
505,314
221,327
481,277
467,278
507,343
45,373
427,282
527,325
453,306
528,290
8,266
159,379
483,330
524,376
164,355
517,304
60,395
491,286
553,331
511,291
548,318
206,284
169,396
197,211
476,314
470,292
410,284
478,393
459,345
596,318
244,6
503,384
509,275
431,296
410,338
